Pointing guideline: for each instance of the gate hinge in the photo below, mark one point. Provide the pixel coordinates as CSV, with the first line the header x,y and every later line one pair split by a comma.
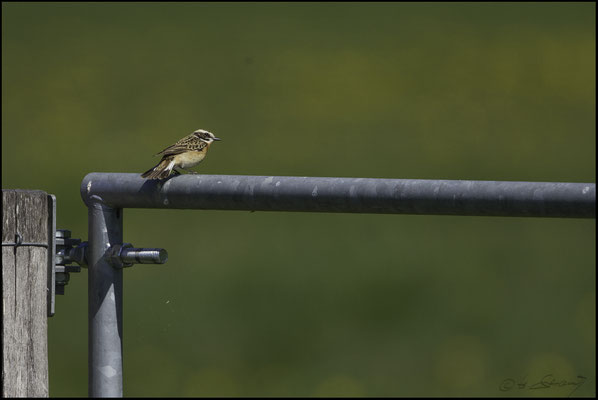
x,y
64,252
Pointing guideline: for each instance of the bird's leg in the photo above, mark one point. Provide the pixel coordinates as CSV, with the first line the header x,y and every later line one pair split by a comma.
x,y
175,172
189,171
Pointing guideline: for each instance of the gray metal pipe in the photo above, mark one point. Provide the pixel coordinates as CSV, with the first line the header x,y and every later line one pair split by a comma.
x,y
105,301
351,195
106,194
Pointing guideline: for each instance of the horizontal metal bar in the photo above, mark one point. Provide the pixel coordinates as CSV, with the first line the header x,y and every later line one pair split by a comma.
x,y
351,195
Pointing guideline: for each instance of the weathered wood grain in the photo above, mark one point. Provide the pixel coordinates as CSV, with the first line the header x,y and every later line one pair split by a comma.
x,y
24,286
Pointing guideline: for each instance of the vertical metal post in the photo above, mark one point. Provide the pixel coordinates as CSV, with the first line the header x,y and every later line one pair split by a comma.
x,y
105,302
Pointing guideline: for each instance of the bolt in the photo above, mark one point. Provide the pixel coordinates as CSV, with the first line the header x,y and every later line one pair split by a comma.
x,y
126,255
63,233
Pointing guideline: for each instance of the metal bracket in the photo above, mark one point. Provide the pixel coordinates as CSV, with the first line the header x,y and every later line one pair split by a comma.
x,y
67,253
61,253
51,289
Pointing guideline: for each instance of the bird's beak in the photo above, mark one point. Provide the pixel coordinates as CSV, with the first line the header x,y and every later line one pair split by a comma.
x,y
215,138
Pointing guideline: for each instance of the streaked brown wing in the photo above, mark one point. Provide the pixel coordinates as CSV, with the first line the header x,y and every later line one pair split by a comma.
x,y
187,143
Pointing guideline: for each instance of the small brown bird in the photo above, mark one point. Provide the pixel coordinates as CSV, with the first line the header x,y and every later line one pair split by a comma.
x,y
186,153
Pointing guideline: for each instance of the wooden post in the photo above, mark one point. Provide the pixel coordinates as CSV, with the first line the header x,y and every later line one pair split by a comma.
x,y
24,294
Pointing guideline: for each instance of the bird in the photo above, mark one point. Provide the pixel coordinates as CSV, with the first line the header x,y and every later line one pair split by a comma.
x,y
186,153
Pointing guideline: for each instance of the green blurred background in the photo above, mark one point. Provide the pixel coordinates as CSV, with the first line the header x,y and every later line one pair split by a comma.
x,y
306,304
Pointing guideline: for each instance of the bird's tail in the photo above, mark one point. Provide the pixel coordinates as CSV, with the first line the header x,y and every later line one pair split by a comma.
x,y
161,171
